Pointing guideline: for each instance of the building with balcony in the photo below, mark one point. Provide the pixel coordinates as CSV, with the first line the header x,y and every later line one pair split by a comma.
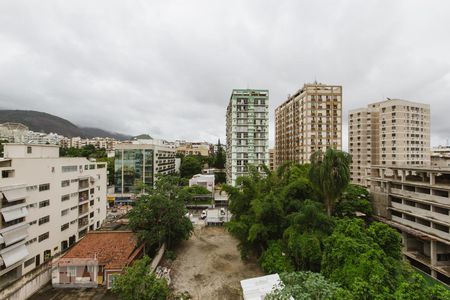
x,y
47,204
440,156
391,132
416,201
137,164
308,121
247,132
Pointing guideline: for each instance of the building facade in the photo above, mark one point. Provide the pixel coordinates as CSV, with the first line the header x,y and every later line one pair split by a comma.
x,y
193,148
308,121
440,156
247,132
47,204
416,201
140,164
392,132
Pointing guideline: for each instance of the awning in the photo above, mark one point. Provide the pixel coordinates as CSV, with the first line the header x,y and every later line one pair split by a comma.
x,y
14,235
15,194
13,214
14,255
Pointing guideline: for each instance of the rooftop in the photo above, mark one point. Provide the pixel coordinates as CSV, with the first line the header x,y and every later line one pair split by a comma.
x,y
112,249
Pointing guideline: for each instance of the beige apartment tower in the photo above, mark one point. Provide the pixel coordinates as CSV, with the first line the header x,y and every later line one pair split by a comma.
x,y
391,132
308,121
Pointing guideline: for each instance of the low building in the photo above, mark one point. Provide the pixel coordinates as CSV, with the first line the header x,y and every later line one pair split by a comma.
x,y
206,181
416,201
257,288
97,259
47,204
193,148
440,156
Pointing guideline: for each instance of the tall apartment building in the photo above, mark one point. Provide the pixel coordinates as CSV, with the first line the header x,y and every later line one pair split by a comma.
x,y
391,132
140,163
247,132
308,121
47,203
272,160
416,201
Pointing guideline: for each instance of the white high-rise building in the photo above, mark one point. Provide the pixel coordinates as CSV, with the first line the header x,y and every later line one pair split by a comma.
x,y
247,132
47,204
392,132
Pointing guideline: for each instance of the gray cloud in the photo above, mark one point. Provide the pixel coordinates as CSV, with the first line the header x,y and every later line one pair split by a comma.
x,y
168,67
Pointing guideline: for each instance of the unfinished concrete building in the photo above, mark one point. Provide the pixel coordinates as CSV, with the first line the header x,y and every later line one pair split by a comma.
x,y
416,201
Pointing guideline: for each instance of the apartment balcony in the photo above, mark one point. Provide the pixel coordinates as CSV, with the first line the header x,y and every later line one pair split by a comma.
x,y
83,184
13,234
83,222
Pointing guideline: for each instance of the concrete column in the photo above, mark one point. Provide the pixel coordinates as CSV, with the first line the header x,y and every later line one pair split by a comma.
x,y
403,175
405,240
432,178
433,254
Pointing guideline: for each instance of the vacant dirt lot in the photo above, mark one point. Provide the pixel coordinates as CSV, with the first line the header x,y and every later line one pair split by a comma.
x,y
208,266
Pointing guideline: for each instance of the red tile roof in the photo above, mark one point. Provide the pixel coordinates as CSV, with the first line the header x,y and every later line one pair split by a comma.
x,y
113,249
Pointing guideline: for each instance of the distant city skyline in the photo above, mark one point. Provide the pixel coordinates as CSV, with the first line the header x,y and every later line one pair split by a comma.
x,y
168,68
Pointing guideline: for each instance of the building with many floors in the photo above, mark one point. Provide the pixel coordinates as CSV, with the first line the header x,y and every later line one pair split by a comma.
x,y
137,164
308,121
416,201
247,132
391,132
47,204
440,156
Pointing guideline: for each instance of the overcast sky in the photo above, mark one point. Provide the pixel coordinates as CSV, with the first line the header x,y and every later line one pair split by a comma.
x,y
167,68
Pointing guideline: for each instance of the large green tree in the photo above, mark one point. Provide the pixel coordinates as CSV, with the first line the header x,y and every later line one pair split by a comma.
x,y
191,165
137,282
330,175
159,217
356,257
307,285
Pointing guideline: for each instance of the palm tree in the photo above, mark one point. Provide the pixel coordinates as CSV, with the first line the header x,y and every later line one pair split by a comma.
x,y
330,175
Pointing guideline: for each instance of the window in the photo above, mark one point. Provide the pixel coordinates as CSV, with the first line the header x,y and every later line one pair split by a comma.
x,y
31,241
65,183
65,226
43,237
44,220
29,150
32,222
91,215
65,197
7,173
44,187
44,203
66,169
29,262
64,212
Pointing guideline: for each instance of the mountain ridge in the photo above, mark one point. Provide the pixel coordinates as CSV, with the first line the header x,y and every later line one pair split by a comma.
x,y
45,122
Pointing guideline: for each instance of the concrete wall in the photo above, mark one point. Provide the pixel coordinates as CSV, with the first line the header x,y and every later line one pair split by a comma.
x,y
28,284
157,259
380,204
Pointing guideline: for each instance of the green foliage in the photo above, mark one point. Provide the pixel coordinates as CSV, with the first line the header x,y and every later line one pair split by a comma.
x,y
219,157
195,195
354,199
330,175
356,259
307,285
160,216
274,260
137,282
191,165
88,151
416,288
220,177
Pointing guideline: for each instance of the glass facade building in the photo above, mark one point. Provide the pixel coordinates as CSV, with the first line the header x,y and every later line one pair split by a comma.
x,y
132,167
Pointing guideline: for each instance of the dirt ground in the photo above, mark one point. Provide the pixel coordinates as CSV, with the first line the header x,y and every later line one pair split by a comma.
x,y
50,293
209,266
